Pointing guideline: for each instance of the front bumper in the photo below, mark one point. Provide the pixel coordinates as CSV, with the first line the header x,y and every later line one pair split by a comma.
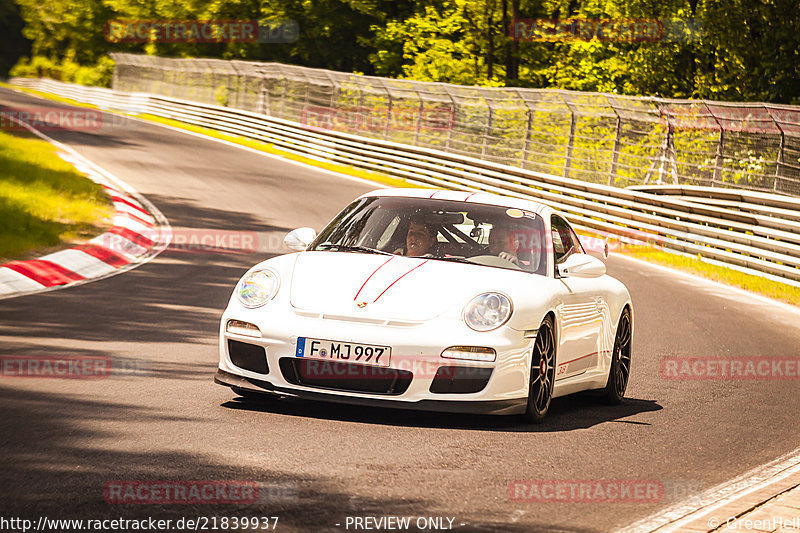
x,y
488,407
416,360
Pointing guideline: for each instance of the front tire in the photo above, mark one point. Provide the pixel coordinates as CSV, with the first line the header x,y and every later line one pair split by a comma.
x,y
542,375
620,369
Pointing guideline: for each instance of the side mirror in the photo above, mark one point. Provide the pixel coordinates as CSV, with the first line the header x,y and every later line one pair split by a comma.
x,y
299,239
581,266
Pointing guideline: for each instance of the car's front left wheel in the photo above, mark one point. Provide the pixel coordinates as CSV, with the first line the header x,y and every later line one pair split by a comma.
x,y
543,370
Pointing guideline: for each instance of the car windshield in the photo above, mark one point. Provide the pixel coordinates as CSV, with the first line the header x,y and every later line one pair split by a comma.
x,y
441,230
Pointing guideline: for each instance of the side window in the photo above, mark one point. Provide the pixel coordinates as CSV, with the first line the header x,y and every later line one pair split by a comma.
x,y
576,242
565,242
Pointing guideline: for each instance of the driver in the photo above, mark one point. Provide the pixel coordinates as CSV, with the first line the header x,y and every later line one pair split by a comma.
x,y
502,242
420,238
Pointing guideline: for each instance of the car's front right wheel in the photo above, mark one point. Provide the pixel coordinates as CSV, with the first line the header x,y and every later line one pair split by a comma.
x,y
620,369
543,370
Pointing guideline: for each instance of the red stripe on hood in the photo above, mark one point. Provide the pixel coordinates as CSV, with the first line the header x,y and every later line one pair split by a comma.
x,y
398,279
370,277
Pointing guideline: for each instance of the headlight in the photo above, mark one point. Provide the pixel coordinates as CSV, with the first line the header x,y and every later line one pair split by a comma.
x,y
237,327
257,288
488,311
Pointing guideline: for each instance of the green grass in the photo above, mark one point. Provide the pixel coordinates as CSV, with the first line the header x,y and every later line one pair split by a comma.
x,y
244,141
694,265
272,149
45,204
729,276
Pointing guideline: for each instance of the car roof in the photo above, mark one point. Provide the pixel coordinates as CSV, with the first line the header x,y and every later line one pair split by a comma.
x,y
469,197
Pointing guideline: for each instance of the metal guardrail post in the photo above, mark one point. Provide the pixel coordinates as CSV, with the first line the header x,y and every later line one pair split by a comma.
x,y
719,159
263,94
488,129
716,177
388,109
451,122
779,160
529,124
419,119
570,142
612,173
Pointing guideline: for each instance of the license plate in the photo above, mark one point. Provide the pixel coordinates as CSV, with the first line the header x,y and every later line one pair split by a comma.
x,y
349,352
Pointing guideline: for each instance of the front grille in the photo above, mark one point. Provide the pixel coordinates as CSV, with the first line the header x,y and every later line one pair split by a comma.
x,y
460,379
248,356
345,376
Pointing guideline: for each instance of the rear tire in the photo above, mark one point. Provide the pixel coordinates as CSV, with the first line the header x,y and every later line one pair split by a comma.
x,y
620,369
543,372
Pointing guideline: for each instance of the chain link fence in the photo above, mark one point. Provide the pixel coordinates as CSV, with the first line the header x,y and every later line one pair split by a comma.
x,y
600,138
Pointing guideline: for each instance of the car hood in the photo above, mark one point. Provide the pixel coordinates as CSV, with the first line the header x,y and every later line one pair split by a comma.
x,y
388,287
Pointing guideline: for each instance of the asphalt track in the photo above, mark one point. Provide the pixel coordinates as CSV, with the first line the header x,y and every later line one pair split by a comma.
x,y
63,440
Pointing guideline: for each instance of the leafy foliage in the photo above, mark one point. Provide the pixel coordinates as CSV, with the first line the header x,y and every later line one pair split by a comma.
x,y
742,49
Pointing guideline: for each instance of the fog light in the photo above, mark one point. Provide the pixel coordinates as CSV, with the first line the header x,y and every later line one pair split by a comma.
x,y
470,353
237,327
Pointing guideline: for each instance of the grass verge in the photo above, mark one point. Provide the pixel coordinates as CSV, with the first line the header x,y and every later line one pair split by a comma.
x,y
729,276
244,141
47,96
272,149
45,204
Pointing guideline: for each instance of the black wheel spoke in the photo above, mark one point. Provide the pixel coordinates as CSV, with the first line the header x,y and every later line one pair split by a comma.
x,y
620,361
625,333
542,370
539,396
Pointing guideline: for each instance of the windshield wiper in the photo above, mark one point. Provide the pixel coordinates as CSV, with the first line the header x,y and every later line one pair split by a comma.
x,y
344,248
455,259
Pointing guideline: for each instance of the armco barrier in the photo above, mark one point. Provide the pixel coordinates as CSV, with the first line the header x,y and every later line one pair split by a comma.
x,y
758,233
596,137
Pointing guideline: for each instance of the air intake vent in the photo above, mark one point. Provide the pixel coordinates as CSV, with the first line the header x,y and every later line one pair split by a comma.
x,y
345,376
248,356
460,379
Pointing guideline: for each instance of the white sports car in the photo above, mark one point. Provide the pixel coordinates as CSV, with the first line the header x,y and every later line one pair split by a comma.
x,y
437,300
